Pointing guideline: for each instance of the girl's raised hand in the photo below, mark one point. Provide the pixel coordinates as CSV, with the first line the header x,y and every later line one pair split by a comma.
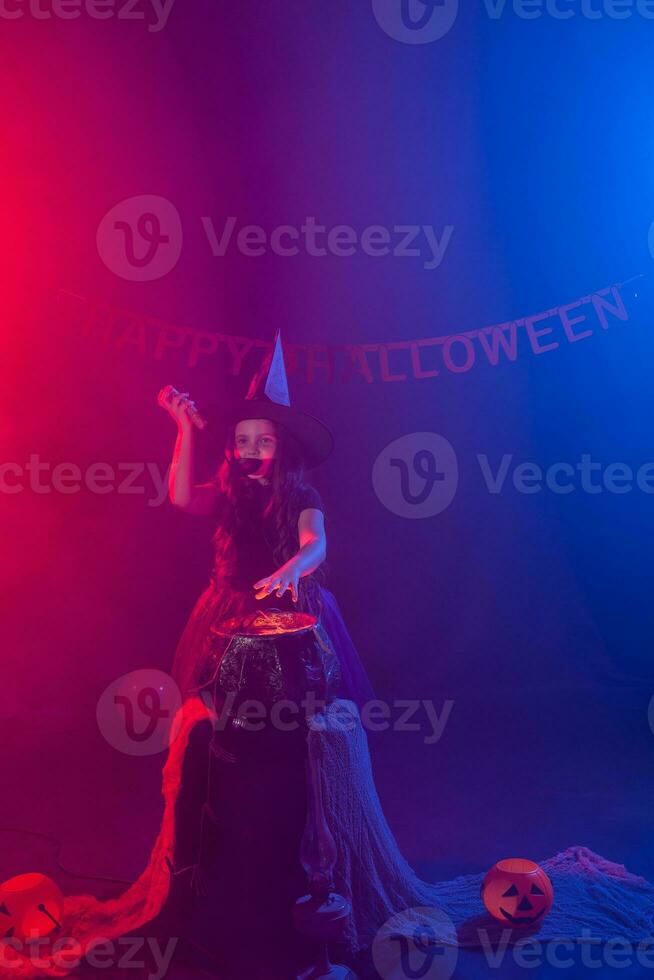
x,y
278,583
176,404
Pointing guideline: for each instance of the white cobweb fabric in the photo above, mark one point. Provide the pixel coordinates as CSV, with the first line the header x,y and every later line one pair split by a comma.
x,y
593,897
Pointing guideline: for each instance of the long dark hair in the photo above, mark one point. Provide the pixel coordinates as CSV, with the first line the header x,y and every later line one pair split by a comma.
x,y
235,508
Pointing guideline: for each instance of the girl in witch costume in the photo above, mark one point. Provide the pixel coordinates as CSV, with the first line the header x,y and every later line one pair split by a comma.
x,y
269,542
236,859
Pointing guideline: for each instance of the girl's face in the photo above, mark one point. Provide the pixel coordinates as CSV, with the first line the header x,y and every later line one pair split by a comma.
x,y
256,439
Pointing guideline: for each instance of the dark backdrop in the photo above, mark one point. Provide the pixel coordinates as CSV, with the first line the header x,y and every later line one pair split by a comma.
x,y
530,611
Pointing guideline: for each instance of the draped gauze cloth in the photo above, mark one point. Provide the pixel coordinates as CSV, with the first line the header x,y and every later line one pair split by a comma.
x,y
593,897
89,921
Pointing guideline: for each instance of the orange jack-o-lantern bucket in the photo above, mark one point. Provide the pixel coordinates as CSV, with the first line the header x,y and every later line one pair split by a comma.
x,y
31,906
517,891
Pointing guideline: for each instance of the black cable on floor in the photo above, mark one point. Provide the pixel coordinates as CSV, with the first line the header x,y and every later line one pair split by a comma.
x,y
58,845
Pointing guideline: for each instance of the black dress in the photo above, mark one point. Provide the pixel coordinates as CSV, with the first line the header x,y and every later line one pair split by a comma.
x,y
230,593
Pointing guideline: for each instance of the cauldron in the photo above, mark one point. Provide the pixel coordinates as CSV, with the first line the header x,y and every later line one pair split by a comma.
x,y
278,667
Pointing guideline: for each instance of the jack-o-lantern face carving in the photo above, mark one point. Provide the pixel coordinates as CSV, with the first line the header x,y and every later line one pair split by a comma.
x,y
517,891
31,905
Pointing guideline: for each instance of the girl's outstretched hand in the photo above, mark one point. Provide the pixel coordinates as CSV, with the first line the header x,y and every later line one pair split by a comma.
x,y
285,578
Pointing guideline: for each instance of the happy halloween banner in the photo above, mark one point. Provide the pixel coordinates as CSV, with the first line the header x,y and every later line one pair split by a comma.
x,y
400,360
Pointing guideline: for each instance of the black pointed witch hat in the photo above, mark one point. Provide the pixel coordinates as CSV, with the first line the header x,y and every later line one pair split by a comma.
x,y
268,398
